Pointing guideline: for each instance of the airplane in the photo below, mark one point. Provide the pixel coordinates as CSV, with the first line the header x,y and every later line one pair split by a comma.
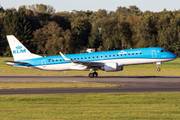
x,y
109,61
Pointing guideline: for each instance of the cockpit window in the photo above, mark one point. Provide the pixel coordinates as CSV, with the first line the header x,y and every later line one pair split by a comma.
x,y
164,51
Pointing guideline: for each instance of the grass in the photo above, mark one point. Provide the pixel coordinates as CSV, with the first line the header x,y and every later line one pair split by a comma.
x,y
171,68
126,106
15,85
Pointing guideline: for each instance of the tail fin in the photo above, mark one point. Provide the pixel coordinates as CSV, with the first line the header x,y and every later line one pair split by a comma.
x,y
19,51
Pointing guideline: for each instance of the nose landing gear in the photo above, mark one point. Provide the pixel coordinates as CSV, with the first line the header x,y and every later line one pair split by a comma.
x,y
158,63
158,69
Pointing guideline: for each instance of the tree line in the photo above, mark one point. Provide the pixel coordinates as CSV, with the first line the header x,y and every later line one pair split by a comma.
x,y
44,31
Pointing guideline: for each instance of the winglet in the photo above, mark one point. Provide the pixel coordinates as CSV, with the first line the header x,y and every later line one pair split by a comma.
x,y
65,58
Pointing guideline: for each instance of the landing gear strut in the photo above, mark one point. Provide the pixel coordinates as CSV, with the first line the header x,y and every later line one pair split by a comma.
x,y
93,74
158,63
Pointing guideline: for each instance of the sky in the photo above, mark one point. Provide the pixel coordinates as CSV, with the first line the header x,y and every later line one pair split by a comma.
x,y
95,5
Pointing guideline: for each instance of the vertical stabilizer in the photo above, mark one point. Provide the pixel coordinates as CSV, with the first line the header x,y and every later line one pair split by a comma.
x,y
19,51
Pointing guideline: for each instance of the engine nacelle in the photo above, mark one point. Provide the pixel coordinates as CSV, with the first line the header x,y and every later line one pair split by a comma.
x,y
112,66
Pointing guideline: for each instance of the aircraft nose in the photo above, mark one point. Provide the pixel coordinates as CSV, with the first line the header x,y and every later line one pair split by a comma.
x,y
173,56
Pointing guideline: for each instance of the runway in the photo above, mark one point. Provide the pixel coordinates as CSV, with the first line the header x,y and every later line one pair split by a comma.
x,y
132,84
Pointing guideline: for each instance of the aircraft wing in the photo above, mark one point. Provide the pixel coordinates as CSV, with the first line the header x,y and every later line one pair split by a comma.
x,y
87,63
15,62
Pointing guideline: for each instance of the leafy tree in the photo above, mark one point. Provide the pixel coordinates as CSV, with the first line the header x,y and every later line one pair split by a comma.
x,y
41,36
61,42
17,24
175,36
1,9
80,29
164,30
146,31
2,45
62,19
95,37
41,8
132,21
109,33
116,34
96,19
71,32
11,10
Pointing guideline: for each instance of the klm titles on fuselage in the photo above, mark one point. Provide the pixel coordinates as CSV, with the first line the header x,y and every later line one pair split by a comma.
x,y
19,50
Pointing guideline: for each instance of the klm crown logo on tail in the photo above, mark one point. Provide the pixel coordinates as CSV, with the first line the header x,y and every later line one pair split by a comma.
x,y
19,50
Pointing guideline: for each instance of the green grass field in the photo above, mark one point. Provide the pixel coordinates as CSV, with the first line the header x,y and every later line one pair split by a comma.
x,y
118,106
171,68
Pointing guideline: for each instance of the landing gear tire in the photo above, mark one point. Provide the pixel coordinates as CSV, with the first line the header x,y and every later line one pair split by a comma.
x,y
158,63
91,75
95,74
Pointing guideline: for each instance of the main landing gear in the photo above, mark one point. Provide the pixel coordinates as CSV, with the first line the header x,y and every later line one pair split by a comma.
x,y
93,74
158,63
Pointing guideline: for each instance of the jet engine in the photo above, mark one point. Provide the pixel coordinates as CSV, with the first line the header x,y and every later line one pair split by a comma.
x,y
112,66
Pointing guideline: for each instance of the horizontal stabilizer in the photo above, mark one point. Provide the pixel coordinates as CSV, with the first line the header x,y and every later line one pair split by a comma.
x,y
15,62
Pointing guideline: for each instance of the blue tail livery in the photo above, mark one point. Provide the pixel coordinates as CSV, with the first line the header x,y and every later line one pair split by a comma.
x,y
108,61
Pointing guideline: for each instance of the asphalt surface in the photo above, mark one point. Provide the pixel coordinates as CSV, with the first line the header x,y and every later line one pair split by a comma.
x,y
132,84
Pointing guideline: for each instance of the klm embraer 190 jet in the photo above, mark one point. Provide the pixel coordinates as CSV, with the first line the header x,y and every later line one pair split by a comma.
x,y
108,61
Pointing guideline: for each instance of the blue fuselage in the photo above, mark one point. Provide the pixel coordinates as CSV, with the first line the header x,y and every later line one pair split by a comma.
x,y
143,55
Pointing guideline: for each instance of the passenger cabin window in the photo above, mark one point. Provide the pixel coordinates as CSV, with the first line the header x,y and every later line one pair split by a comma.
x,y
74,58
109,55
132,53
113,55
97,56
